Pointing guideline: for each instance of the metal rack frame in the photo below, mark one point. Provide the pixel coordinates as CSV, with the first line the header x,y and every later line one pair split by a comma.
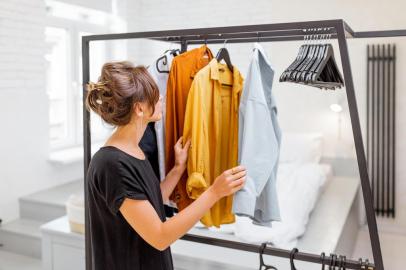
x,y
250,33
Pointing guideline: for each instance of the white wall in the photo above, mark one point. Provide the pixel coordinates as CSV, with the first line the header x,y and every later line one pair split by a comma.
x,y
24,116
300,108
24,141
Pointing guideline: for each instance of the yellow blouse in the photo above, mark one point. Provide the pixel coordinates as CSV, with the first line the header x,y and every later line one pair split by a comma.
x,y
211,122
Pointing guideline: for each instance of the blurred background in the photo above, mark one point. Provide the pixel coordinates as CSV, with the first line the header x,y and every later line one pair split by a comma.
x,y
41,157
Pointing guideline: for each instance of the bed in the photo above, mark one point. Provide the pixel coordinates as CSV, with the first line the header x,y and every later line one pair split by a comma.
x,y
319,207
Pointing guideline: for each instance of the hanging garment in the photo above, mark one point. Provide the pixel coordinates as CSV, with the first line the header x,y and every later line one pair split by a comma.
x,y
148,145
183,69
211,122
160,73
259,143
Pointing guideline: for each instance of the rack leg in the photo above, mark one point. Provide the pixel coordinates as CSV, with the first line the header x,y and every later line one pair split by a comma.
x,y
359,147
87,148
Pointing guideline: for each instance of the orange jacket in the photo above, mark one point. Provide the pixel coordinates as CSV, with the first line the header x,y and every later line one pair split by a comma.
x,y
183,69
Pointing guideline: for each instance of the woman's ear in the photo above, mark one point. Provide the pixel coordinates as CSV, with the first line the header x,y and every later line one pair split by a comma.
x,y
138,109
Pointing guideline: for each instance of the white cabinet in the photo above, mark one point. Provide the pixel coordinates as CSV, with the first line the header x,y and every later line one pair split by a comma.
x,y
62,249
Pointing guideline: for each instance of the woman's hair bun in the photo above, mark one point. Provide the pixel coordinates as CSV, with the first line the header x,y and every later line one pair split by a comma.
x,y
118,88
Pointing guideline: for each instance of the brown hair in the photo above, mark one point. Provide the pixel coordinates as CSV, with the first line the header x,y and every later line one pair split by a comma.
x,y
120,85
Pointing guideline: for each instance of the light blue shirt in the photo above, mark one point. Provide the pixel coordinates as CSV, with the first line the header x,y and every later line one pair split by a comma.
x,y
259,140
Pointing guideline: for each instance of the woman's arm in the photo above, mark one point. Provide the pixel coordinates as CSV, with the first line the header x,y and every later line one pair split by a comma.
x,y
172,178
170,181
145,221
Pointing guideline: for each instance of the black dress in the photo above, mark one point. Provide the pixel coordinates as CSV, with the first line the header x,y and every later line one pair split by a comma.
x,y
112,176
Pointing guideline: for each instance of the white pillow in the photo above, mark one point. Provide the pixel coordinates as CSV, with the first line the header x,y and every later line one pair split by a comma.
x,y
301,147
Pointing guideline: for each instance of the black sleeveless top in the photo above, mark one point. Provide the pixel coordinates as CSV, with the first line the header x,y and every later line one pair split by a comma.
x,y
112,176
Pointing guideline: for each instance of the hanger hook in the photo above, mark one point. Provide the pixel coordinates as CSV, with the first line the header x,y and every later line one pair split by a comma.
x,y
322,257
332,265
304,36
367,264
344,262
312,36
316,35
258,37
361,263
292,257
340,263
261,253
224,44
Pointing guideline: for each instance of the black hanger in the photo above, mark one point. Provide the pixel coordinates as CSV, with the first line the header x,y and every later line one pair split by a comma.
x,y
223,54
296,62
322,257
318,59
302,54
292,257
164,59
361,263
316,63
292,73
366,264
294,76
342,262
306,76
332,262
174,52
261,259
327,73
307,63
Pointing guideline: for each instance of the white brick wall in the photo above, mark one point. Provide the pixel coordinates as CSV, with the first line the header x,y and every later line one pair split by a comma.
x,y
22,44
24,109
24,143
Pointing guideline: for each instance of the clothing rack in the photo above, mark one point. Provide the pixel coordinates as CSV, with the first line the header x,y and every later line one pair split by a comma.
x,y
279,32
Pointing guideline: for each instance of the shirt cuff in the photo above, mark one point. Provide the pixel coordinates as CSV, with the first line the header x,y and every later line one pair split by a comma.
x,y
195,185
244,203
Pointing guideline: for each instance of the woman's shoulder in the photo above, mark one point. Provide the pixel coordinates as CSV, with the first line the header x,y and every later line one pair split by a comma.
x,y
106,156
112,158
109,163
108,159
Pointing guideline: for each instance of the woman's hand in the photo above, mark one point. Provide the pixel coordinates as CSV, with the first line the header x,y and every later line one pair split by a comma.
x,y
229,182
181,153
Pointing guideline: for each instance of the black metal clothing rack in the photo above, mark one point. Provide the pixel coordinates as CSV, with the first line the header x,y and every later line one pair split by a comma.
x,y
338,29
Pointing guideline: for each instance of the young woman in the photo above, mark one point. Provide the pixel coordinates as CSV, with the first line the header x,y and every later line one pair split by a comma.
x,y
128,228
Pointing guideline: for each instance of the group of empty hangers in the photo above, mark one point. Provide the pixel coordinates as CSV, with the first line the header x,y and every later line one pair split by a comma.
x,y
315,64
336,262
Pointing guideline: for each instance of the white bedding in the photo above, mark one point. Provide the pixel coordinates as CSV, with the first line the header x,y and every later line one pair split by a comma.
x,y
299,186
